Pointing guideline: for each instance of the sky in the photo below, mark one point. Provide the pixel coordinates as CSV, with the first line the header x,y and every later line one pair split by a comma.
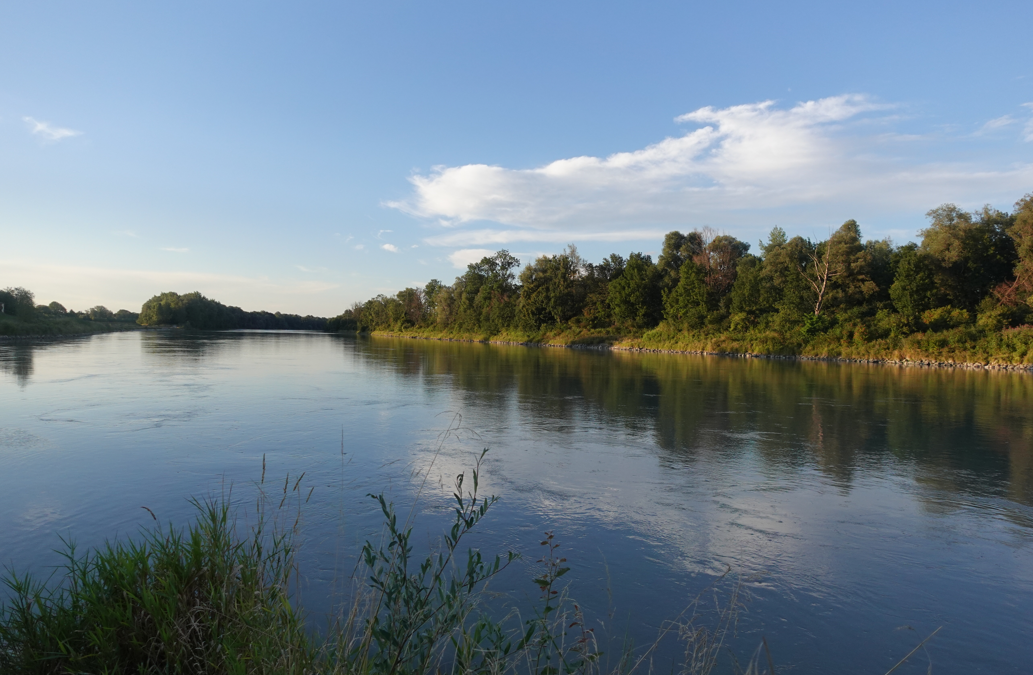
x,y
300,157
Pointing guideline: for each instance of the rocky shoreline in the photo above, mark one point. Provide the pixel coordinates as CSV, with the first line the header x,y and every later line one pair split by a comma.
x,y
900,363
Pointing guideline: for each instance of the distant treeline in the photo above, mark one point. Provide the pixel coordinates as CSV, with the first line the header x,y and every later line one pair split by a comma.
x,y
970,269
21,303
193,310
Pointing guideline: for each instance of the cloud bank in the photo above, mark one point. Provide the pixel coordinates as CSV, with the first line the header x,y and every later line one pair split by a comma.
x,y
738,163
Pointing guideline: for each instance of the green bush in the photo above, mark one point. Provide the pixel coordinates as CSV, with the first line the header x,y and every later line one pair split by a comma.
x,y
944,318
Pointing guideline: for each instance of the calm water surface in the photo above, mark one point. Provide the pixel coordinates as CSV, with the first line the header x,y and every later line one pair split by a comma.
x,y
865,506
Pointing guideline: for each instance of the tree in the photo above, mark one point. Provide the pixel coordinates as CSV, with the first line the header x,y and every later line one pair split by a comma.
x,y
413,305
489,295
1021,232
718,256
781,270
677,248
751,296
552,289
852,268
913,288
635,296
430,292
100,313
19,302
163,310
689,303
972,252
596,311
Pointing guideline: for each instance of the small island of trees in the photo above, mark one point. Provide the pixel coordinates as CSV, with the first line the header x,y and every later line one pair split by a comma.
x,y
193,310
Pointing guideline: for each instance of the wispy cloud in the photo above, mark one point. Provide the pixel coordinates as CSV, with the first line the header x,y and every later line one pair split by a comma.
x,y
496,237
1027,131
126,233
310,270
48,131
390,247
998,123
173,249
738,165
359,247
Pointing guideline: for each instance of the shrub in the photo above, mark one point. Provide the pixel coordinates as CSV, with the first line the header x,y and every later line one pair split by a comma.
x,y
943,318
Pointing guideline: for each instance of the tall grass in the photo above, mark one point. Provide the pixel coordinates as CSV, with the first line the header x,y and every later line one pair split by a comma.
x,y
200,600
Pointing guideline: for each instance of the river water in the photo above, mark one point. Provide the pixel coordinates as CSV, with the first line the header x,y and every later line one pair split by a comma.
x,y
862,506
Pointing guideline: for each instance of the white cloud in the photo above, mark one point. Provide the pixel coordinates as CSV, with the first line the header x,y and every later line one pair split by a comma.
x,y
739,165
310,270
126,233
48,131
173,249
390,247
463,257
1027,131
359,247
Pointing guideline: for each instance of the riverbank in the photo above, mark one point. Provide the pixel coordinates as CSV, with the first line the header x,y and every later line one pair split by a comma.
x,y
960,348
11,328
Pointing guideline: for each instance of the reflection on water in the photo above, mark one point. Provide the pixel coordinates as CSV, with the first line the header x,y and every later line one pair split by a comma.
x,y
16,360
962,431
858,499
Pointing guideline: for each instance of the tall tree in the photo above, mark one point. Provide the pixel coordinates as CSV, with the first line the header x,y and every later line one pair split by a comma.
x,y
783,260
489,294
552,289
18,301
635,296
913,290
852,267
1020,289
972,252
689,303
751,296
677,248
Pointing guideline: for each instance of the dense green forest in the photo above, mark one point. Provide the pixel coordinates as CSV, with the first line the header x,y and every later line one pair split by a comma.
x,y
193,310
20,315
966,289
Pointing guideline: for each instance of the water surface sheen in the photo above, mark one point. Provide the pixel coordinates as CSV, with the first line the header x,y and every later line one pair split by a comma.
x,y
865,505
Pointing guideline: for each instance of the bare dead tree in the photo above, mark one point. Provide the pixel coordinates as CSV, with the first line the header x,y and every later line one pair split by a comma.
x,y
820,274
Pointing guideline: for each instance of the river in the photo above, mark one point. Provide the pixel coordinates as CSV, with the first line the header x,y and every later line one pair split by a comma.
x,y
862,506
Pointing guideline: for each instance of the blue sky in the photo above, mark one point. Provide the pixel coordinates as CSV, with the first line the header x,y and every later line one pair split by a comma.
x,y
301,157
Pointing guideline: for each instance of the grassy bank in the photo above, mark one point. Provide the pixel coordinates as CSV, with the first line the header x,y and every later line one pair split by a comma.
x,y
11,326
967,345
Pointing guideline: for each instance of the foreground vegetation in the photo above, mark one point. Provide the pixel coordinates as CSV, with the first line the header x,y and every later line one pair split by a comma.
x,y
20,315
964,293
216,598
